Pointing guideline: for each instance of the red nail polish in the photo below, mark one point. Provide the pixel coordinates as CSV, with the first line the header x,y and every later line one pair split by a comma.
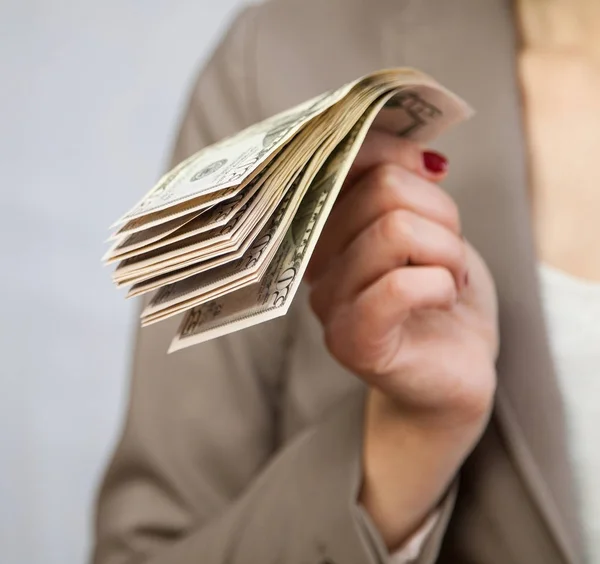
x,y
435,162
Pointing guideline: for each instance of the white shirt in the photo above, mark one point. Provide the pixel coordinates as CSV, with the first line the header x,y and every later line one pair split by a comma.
x,y
572,309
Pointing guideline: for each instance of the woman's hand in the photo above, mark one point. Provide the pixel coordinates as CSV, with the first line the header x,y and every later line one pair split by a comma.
x,y
410,307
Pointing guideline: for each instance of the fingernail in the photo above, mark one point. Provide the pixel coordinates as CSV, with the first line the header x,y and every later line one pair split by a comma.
x,y
435,162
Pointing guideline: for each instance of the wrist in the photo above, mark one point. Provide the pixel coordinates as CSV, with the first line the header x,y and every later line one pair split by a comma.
x,y
408,466
460,419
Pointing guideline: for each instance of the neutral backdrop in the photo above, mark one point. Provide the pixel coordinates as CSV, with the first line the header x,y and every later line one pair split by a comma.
x,y
90,94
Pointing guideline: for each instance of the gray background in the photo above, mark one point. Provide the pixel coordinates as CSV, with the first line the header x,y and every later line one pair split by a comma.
x,y
90,95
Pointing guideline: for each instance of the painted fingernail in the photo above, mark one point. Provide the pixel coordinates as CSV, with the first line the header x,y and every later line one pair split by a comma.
x,y
435,162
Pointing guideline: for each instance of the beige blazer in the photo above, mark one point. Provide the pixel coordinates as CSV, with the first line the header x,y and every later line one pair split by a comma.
x,y
246,450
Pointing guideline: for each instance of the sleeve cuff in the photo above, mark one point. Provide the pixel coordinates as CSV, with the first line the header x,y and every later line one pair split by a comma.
x,y
412,548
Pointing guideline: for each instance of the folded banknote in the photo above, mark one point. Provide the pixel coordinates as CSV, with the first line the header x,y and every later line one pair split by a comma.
x,y
227,234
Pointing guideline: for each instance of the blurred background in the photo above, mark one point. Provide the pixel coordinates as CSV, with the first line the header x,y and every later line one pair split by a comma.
x,y
90,98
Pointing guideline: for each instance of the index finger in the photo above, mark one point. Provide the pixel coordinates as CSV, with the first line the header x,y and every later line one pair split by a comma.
x,y
381,147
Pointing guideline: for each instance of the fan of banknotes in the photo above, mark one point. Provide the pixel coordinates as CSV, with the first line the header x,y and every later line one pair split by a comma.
x,y
227,234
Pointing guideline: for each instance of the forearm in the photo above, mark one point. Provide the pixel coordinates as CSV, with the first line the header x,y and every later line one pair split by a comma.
x,y
408,468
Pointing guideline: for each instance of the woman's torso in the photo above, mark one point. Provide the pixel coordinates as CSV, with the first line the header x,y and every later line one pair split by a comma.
x,y
560,75
496,520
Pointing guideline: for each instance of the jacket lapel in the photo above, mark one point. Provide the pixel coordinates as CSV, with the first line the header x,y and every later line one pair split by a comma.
x,y
471,48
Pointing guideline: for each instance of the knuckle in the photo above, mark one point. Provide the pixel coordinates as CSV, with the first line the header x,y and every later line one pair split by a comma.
x,y
451,212
396,288
458,252
447,287
396,226
387,176
387,194
453,217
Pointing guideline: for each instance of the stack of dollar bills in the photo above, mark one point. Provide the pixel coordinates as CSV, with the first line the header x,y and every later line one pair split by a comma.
x,y
227,234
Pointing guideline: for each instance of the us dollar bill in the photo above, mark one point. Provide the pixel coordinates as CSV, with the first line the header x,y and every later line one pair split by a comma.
x,y
193,289
227,234
272,295
234,160
181,295
171,232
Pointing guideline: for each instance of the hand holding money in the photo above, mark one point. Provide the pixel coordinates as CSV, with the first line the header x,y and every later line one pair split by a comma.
x,y
408,306
227,234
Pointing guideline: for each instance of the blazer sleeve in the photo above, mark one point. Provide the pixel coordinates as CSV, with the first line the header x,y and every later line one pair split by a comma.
x,y
196,477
